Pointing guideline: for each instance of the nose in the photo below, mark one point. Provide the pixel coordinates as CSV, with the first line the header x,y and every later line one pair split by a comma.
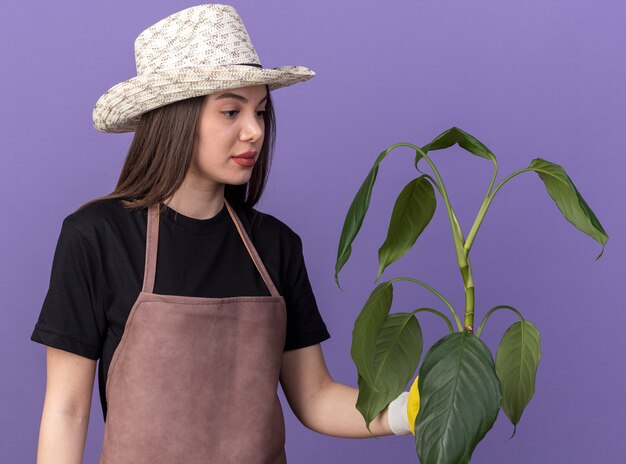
x,y
253,128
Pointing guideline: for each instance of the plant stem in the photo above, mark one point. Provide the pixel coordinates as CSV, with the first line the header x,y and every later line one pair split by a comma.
x,y
459,245
468,323
462,245
467,276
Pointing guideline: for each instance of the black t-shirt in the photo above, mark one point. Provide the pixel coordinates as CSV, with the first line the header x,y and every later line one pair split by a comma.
x,y
98,266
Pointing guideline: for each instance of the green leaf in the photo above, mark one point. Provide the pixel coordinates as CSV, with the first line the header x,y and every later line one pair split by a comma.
x,y
369,402
455,135
367,325
398,350
459,399
569,201
413,210
517,360
355,215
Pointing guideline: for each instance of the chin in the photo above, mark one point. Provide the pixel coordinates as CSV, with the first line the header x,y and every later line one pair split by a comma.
x,y
239,180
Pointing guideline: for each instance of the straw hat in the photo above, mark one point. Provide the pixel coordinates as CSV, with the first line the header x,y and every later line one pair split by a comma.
x,y
196,51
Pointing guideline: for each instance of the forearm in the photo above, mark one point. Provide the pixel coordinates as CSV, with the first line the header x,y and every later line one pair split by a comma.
x,y
332,411
61,437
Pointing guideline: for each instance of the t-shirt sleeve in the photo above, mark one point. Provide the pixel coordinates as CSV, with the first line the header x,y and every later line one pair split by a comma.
x,y
305,325
71,317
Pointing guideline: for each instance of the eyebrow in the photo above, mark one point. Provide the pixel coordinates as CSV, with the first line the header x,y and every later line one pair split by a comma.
x,y
238,97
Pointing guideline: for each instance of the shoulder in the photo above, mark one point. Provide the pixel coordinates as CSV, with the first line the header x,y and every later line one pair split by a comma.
x,y
100,218
266,226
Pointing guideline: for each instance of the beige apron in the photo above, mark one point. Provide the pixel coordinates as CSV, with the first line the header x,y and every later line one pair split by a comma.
x,y
194,380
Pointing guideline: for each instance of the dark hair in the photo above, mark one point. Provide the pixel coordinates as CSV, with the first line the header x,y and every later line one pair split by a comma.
x,y
161,152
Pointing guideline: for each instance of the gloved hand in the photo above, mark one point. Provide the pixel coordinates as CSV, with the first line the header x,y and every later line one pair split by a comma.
x,y
403,410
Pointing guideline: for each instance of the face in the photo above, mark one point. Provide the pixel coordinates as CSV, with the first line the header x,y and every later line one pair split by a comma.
x,y
232,122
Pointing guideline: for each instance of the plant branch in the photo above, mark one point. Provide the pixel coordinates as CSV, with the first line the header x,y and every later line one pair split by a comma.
x,y
492,310
438,313
485,206
432,290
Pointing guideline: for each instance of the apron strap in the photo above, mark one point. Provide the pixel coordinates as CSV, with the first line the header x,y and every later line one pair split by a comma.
x,y
152,241
252,251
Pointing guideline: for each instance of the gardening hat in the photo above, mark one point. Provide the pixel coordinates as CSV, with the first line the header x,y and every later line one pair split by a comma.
x,y
196,51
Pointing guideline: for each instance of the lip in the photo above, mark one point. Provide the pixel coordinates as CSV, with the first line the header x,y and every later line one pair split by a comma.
x,y
247,155
247,159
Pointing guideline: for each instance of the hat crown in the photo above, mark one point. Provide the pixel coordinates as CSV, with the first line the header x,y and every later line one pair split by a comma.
x,y
203,35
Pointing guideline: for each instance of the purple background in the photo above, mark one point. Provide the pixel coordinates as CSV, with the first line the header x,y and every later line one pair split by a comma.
x,y
529,79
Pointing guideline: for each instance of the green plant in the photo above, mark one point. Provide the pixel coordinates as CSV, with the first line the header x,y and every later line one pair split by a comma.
x,y
461,387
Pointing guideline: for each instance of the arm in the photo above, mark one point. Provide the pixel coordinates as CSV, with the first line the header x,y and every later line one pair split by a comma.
x,y
320,403
66,408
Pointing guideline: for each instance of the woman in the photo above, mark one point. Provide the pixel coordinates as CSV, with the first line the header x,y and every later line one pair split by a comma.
x,y
192,345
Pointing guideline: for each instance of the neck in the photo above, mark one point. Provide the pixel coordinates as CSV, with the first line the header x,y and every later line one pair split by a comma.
x,y
197,202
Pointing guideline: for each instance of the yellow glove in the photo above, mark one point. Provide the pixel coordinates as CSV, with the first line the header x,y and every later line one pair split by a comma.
x,y
413,405
403,410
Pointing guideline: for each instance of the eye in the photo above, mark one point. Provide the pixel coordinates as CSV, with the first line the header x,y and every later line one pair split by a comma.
x,y
231,113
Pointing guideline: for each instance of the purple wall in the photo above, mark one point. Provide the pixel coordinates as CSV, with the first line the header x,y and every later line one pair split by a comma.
x,y
528,79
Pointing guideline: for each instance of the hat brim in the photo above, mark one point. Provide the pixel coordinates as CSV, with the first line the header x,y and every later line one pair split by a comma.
x,y
121,107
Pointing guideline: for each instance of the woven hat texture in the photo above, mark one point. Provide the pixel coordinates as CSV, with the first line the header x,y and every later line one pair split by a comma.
x,y
196,51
